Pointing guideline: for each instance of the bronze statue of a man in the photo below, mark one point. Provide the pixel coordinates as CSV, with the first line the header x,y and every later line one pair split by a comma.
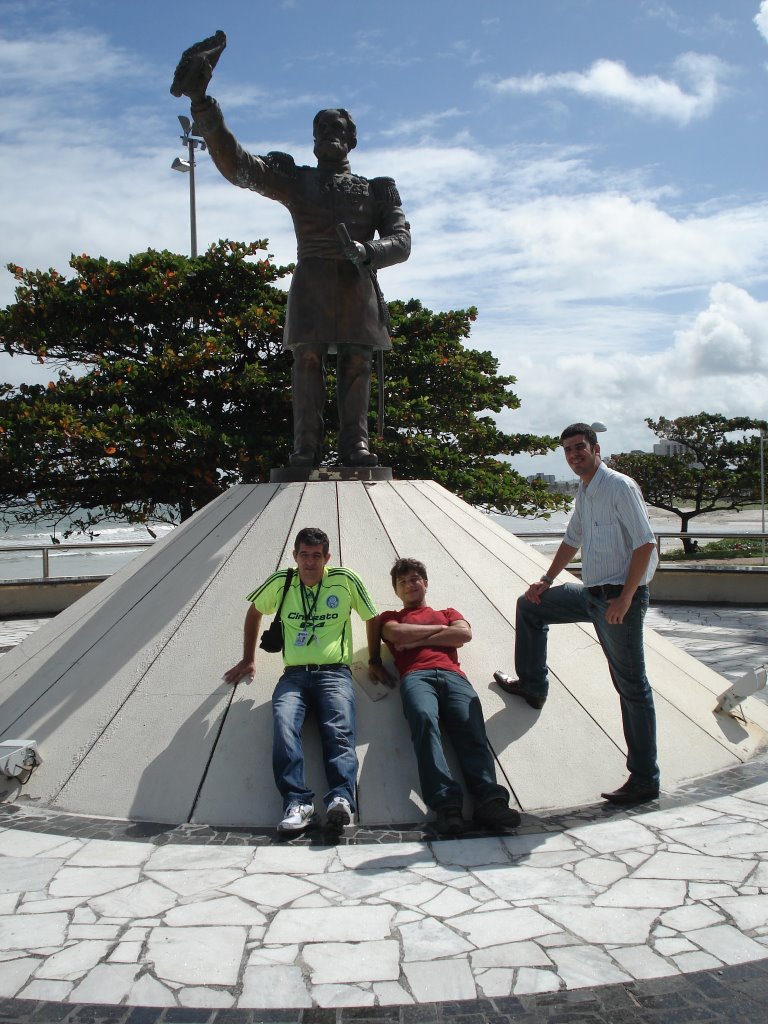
x,y
334,304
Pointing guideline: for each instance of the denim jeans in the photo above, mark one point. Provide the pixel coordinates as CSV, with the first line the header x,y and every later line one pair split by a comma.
x,y
622,645
329,694
431,696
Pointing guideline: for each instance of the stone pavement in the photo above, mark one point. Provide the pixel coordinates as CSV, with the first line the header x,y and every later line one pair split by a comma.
x,y
593,914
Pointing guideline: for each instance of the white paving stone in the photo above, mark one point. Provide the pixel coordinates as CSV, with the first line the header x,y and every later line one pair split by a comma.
x,y
601,870
530,981
646,892
696,915
193,956
431,940
697,961
270,890
292,860
111,853
148,991
336,962
192,858
382,858
612,836
210,998
391,993
526,883
449,903
72,963
274,988
21,874
440,980
32,931
727,944
145,899
334,924
582,966
538,842
471,852
510,954
494,927
126,953
642,962
364,884
263,956
194,883
694,867
16,843
724,839
605,924
415,894
497,981
106,983
51,991
225,910
14,974
92,881
747,911
342,995
670,947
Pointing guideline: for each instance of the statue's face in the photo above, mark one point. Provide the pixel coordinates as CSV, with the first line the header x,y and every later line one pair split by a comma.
x,y
331,136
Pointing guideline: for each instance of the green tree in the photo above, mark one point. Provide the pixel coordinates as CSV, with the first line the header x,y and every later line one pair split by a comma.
x,y
719,469
170,384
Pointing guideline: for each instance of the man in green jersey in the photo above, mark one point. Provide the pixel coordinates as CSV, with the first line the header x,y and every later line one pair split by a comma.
x,y
317,652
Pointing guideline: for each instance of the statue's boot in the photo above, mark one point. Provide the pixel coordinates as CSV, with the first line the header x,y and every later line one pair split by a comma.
x,y
308,399
354,396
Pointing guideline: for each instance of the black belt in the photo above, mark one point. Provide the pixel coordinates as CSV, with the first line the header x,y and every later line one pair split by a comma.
x,y
606,590
314,668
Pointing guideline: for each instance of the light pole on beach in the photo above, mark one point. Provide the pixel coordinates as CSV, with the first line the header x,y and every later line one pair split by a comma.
x,y
188,166
762,492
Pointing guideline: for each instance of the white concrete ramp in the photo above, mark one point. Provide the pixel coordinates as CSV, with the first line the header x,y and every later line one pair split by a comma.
x,y
123,691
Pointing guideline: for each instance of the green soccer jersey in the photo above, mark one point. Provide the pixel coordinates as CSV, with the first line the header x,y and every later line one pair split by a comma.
x,y
316,620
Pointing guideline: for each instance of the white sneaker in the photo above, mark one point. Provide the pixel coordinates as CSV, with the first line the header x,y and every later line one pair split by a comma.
x,y
339,813
297,817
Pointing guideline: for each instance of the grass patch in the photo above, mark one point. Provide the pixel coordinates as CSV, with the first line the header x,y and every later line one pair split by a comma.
x,y
719,549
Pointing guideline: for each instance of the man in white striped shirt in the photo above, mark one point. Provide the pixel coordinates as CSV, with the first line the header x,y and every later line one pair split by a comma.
x,y
618,559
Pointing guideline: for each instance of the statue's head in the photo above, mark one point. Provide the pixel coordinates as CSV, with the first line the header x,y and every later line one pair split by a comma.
x,y
334,132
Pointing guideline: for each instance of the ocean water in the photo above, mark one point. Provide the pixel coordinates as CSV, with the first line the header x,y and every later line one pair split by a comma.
x,y
96,560
64,558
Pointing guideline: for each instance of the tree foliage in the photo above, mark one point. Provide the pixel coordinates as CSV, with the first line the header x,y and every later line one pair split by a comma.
x,y
169,384
719,470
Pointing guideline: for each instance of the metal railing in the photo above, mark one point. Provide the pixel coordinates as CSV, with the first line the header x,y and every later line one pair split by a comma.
x,y
665,535
46,550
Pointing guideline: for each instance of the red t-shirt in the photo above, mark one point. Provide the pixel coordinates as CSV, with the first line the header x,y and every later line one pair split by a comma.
x,y
417,658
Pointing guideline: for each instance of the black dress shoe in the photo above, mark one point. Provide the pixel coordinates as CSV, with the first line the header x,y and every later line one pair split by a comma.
x,y
631,793
497,813
513,687
360,458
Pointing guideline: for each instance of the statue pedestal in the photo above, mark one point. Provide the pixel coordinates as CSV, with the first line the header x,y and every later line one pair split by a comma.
x,y
302,474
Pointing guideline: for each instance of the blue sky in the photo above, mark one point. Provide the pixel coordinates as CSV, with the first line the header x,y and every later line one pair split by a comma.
x,y
589,173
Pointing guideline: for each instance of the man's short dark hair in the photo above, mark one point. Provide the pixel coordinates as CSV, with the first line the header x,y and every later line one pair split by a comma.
x,y
405,565
311,537
580,428
342,112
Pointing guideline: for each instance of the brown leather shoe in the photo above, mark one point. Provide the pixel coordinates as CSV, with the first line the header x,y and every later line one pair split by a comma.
x,y
632,793
513,687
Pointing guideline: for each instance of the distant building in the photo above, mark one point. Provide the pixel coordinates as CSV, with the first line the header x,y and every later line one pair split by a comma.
x,y
669,448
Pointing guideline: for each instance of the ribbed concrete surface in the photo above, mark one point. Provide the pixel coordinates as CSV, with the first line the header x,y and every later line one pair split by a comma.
x,y
123,691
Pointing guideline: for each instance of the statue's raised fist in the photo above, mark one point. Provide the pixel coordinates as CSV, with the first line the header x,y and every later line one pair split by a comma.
x,y
194,70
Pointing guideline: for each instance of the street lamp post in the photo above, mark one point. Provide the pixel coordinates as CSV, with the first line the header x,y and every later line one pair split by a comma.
x,y
188,166
762,492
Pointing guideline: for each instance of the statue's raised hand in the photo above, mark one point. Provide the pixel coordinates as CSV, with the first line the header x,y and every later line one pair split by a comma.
x,y
194,70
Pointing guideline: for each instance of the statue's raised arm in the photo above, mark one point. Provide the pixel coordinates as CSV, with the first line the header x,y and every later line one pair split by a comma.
x,y
194,70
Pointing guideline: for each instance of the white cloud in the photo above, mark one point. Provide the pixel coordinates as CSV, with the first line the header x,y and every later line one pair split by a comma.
x,y
761,20
609,81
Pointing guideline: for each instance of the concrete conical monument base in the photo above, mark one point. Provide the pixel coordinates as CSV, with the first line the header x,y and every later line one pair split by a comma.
x,y
123,692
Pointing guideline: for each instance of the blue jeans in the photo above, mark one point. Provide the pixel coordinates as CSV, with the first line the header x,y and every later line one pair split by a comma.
x,y
622,645
329,694
431,696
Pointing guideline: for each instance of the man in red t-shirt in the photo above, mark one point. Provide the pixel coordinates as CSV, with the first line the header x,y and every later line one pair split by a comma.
x,y
424,643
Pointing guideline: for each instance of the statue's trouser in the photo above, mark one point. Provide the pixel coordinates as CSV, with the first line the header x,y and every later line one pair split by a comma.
x,y
308,377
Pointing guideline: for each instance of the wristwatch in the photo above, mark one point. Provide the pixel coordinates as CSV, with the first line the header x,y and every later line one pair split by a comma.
x,y
549,580
375,660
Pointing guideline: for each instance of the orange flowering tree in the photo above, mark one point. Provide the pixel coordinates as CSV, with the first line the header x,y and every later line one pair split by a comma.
x,y
169,384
